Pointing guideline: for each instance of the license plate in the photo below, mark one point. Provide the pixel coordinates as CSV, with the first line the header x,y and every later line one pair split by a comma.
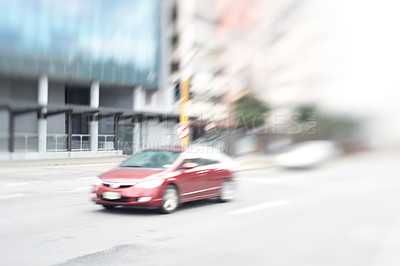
x,y
111,195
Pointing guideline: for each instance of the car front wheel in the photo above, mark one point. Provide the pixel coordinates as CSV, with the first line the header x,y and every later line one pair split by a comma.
x,y
170,200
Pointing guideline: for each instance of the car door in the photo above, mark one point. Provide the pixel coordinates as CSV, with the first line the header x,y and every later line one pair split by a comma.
x,y
188,180
209,179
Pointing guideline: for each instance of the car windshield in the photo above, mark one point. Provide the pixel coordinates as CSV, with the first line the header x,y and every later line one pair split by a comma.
x,y
152,159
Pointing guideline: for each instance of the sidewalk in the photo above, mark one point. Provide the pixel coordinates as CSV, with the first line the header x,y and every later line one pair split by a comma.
x,y
254,161
245,162
66,161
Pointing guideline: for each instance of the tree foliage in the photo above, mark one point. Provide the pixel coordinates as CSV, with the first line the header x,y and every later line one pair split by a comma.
x,y
250,112
305,112
328,125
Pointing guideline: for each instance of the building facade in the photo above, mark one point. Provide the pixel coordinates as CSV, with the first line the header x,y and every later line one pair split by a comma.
x,y
84,78
337,56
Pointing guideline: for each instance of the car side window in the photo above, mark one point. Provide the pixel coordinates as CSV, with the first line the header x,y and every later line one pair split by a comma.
x,y
191,160
208,161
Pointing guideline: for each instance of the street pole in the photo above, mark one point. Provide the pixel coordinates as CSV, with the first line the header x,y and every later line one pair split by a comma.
x,y
183,118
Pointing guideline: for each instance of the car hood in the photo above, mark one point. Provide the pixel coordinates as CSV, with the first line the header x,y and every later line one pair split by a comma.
x,y
129,174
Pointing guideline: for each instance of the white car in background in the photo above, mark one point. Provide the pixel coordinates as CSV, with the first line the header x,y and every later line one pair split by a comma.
x,y
308,154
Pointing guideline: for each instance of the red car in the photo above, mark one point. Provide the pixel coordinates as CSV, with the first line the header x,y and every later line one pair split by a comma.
x,y
166,177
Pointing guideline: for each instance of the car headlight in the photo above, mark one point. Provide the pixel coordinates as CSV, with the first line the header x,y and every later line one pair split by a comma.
x,y
150,184
97,182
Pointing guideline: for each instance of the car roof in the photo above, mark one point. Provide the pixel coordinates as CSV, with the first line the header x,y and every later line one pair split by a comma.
x,y
166,148
190,149
194,151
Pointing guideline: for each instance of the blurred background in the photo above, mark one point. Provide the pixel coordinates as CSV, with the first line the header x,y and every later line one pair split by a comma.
x,y
276,84
105,77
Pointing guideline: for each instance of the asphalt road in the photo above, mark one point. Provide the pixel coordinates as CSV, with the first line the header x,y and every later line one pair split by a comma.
x,y
344,213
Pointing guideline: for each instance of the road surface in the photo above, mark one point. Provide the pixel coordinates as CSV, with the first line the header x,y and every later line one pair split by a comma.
x,y
346,212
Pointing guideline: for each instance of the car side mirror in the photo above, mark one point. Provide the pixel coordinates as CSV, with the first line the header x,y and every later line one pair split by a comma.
x,y
188,166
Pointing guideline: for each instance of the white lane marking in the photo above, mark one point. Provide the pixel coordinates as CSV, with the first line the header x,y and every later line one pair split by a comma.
x,y
11,196
16,184
261,206
275,180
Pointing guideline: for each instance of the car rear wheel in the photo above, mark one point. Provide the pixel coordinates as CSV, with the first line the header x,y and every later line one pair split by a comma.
x,y
228,191
109,207
170,200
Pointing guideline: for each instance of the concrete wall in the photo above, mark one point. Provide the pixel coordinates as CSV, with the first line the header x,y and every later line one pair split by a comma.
x,y
26,123
26,91
106,125
161,101
157,133
56,123
153,133
170,127
18,90
246,144
165,43
22,91
121,98
4,120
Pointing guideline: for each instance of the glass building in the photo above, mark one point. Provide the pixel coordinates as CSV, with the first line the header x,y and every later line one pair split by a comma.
x,y
115,41
84,76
